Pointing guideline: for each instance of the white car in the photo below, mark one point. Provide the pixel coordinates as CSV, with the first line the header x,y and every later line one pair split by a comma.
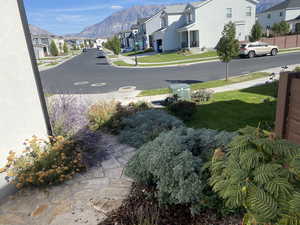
x,y
100,54
258,48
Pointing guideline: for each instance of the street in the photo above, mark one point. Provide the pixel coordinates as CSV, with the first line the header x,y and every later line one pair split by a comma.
x,y
86,74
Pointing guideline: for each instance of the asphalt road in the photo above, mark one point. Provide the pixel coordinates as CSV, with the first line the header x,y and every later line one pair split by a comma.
x,y
86,74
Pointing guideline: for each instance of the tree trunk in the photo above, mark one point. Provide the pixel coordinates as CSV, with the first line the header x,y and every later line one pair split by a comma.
x,y
227,69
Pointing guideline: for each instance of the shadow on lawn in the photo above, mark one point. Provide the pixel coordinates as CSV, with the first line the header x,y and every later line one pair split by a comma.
x,y
270,89
233,115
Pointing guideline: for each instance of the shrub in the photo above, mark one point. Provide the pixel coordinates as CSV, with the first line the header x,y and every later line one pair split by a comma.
x,y
170,100
44,163
115,125
175,164
261,174
100,113
202,95
145,126
53,49
183,109
67,115
297,69
108,115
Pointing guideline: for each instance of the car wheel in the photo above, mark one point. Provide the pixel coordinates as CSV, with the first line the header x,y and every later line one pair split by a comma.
x,y
274,52
251,54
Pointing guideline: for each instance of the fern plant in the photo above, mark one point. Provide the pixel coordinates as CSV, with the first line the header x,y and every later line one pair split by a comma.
x,y
261,174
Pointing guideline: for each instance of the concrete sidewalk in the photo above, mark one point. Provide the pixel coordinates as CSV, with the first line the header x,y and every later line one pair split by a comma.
x,y
126,97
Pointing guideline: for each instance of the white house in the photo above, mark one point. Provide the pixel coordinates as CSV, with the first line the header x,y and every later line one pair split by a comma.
x,y
199,25
146,28
285,11
41,45
166,38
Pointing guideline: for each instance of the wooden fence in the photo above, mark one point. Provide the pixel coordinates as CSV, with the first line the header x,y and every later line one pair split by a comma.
x,y
289,41
288,107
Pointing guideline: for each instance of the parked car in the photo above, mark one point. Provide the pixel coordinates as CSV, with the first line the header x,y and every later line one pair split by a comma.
x,y
100,54
258,48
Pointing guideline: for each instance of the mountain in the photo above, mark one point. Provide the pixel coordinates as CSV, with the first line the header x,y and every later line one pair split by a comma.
x,y
120,21
124,19
37,30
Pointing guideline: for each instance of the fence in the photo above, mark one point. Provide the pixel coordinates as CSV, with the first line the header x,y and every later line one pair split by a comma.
x,y
288,107
289,41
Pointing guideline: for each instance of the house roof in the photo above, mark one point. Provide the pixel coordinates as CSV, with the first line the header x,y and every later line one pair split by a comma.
x,y
203,2
288,4
143,20
297,18
175,9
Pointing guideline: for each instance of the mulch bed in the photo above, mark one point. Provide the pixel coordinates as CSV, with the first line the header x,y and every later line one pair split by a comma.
x,y
141,208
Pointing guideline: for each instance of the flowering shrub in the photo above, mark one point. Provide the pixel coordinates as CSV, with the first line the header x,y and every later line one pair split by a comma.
x,y
100,113
67,115
44,163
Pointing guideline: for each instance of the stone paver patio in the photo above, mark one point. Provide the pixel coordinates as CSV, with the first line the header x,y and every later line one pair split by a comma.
x,y
85,200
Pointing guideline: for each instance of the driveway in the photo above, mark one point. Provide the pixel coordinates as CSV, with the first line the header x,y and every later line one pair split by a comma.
x,y
86,74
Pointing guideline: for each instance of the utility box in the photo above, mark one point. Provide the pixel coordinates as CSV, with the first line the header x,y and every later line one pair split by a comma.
x,y
183,91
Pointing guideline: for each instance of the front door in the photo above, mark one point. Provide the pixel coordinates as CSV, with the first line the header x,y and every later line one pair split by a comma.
x,y
159,44
240,32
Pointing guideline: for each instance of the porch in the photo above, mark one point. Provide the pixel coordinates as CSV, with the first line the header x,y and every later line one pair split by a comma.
x,y
189,39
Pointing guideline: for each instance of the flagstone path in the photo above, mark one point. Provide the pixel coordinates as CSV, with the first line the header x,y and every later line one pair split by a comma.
x,y
85,200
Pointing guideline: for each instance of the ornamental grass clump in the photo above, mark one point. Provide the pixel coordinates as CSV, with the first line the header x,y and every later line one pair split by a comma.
x,y
261,174
44,163
175,164
145,126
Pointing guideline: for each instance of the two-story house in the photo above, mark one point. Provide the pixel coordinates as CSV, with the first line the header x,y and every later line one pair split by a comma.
x,y
41,45
288,10
166,38
146,28
204,21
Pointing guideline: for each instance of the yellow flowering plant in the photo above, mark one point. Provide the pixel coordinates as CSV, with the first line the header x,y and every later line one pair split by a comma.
x,y
44,162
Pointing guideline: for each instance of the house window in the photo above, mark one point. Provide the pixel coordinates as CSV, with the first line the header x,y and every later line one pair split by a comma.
x,y
249,11
229,12
269,16
281,14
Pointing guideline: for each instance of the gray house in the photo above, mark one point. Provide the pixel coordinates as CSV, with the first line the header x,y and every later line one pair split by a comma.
x,y
286,11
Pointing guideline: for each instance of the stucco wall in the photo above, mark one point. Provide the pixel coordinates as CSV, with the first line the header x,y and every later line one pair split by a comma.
x,y
21,114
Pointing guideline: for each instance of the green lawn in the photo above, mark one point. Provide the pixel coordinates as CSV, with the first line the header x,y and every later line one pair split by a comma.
x,y
52,64
236,109
121,63
289,50
137,52
209,84
174,56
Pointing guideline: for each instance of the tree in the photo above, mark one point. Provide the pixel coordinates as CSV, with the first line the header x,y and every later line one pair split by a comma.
x,y
81,46
281,28
53,49
256,32
91,44
114,45
66,49
228,46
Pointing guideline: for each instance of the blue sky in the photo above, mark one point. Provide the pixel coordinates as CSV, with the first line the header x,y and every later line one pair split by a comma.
x,y
71,16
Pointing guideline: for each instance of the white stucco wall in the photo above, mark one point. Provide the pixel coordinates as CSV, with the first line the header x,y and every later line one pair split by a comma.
x,y
211,18
21,114
152,25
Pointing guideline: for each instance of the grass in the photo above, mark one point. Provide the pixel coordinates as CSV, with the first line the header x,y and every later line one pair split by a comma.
x,y
121,63
137,52
52,64
112,56
209,84
289,50
236,109
174,56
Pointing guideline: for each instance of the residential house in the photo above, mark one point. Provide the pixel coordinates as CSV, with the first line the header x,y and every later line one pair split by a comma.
x,y
128,38
166,38
41,45
295,25
199,25
288,10
146,28
100,41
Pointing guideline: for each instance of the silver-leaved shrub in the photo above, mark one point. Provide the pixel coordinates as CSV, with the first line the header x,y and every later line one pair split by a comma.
x,y
145,126
175,163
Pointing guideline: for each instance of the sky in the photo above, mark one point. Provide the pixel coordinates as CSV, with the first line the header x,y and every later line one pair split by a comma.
x,y
72,16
